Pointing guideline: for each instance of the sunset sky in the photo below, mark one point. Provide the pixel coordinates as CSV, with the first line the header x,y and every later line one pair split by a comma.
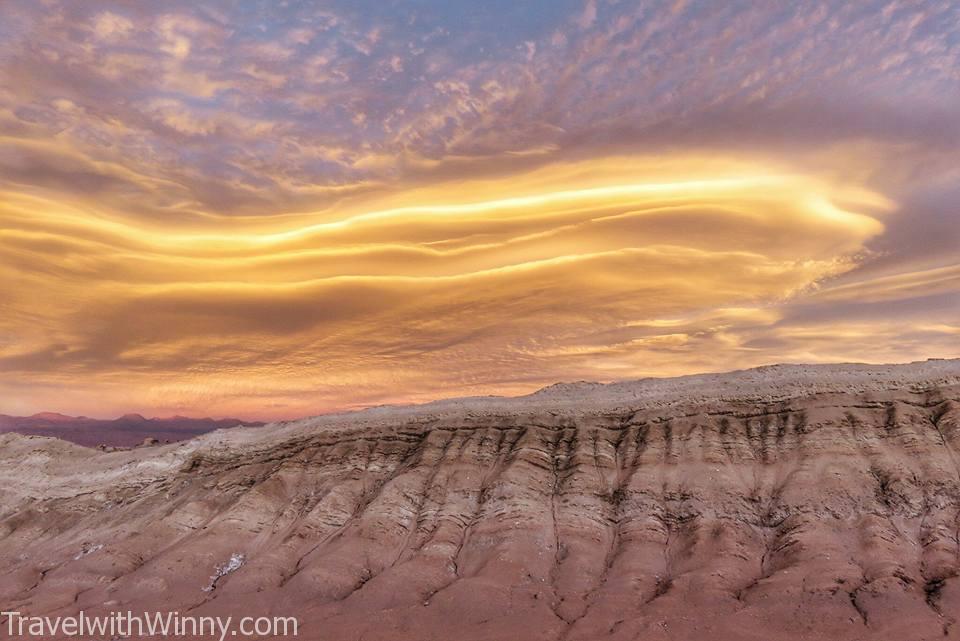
x,y
283,208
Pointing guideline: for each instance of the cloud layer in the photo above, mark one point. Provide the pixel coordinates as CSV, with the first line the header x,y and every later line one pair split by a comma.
x,y
281,212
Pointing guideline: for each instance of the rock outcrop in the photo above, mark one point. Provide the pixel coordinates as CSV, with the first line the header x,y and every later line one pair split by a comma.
x,y
792,502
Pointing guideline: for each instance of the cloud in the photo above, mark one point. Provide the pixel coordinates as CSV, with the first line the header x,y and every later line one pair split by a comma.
x,y
570,269
589,15
214,210
110,25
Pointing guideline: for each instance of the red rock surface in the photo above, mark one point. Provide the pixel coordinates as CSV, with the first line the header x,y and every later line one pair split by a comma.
x,y
783,503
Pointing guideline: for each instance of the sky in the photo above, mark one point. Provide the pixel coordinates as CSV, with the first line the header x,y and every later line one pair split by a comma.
x,y
275,209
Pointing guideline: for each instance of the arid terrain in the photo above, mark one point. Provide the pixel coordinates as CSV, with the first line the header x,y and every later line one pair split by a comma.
x,y
786,502
129,430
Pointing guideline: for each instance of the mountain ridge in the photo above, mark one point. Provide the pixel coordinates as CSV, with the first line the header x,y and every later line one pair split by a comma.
x,y
128,430
786,504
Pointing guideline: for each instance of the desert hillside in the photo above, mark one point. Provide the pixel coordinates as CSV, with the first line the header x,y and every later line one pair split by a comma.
x,y
789,502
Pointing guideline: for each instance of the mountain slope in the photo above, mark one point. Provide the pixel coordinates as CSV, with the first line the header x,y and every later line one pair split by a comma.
x,y
784,503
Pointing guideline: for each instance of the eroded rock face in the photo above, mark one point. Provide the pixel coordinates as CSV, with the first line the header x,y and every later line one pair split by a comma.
x,y
818,515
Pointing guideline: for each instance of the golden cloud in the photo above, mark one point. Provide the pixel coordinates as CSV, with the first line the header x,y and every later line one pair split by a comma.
x,y
608,268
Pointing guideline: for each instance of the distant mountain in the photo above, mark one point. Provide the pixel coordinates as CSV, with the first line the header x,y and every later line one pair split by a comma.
x,y
787,503
127,431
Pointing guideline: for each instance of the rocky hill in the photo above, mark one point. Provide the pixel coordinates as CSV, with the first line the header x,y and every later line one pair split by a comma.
x,y
791,502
